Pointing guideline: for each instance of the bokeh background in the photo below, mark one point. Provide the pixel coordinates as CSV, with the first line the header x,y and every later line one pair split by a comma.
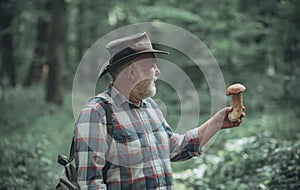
x,y
255,42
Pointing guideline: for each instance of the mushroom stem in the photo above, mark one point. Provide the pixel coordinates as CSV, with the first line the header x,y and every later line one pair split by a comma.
x,y
237,107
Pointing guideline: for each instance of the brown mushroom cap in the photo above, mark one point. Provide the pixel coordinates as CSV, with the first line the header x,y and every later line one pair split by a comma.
x,y
235,89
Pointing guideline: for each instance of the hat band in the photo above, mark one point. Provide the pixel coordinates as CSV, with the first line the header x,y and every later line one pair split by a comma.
x,y
121,54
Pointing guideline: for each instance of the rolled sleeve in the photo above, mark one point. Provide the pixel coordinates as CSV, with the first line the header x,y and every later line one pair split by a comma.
x,y
186,146
90,149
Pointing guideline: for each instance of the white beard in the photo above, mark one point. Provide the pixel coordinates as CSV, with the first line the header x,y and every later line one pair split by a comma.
x,y
152,90
141,91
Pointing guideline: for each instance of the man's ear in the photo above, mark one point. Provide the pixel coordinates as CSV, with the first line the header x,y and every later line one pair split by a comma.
x,y
132,73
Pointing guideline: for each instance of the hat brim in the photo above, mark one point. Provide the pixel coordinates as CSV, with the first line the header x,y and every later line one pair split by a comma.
x,y
127,58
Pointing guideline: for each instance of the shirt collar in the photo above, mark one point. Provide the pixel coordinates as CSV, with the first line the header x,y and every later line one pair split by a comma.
x,y
119,99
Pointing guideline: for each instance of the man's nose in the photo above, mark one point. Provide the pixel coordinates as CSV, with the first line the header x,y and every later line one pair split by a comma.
x,y
157,71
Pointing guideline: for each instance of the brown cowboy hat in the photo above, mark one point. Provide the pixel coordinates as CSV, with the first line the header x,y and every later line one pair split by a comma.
x,y
125,49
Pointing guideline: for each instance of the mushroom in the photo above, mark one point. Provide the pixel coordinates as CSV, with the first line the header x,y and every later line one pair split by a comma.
x,y
237,101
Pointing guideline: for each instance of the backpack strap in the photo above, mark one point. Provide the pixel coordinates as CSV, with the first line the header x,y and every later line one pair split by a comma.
x,y
109,128
108,114
71,155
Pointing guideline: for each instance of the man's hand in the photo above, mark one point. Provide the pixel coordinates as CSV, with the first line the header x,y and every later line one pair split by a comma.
x,y
214,124
221,119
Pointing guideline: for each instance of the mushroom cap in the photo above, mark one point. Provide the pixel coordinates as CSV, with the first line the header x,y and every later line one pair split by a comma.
x,y
235,89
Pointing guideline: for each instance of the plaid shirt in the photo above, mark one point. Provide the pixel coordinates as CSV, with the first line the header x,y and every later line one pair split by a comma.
x,y
140,151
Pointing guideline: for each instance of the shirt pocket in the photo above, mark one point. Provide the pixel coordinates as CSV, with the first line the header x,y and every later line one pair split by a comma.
x,y
129,151
125,135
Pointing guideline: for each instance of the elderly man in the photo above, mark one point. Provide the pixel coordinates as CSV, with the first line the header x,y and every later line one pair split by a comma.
x,y
138,153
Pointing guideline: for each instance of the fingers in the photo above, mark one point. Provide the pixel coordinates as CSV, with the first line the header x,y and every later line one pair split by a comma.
x,y
237,123
233,124
229,109
229,124
243,115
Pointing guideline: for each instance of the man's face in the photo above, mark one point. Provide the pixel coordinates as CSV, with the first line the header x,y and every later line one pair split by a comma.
x,y
147,75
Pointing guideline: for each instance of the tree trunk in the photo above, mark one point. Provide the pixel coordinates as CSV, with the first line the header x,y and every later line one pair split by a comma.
x,y
38,69
56,51
80,30
6,42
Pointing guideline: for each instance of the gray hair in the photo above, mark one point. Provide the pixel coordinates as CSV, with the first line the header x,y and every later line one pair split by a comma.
x,y
115,72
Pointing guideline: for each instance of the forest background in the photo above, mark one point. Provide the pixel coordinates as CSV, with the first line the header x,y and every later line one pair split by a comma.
x,y
255,42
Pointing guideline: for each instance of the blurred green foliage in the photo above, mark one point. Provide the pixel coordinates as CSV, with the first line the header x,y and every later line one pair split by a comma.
x,y
33,133
254,42
256,162
25,164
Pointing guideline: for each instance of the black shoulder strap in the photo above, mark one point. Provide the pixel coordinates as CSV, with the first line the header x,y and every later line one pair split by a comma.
x,y
108,114
109,127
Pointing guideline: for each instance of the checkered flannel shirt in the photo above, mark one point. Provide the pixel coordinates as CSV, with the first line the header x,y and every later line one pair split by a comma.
x,y
140,152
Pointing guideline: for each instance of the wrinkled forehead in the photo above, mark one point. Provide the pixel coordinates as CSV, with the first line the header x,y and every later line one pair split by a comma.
x,y
145,60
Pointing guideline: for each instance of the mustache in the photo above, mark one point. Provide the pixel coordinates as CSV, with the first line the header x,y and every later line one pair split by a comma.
x,y
152,79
